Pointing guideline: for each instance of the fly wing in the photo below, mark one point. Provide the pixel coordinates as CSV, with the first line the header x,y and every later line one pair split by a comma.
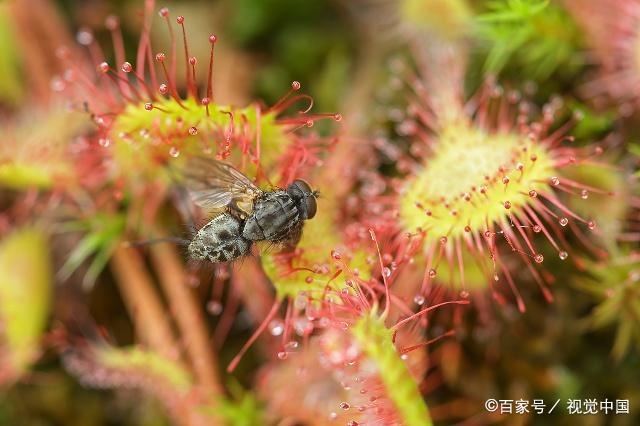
x,y
214,185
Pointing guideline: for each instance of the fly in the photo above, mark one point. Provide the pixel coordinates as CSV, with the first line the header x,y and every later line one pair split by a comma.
x,y
243,213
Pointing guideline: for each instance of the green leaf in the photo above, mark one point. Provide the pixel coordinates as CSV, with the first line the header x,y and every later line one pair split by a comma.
x,y
87,246
21,176
146,363
635,150
25,297
535,35
614,286
376,341
241,409
12,81
103,233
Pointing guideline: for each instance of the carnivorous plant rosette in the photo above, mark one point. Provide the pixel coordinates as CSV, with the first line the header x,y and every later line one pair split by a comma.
x,y
143,120
486,179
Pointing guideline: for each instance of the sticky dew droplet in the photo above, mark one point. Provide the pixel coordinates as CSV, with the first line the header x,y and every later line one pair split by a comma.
x,y
276,327
214,307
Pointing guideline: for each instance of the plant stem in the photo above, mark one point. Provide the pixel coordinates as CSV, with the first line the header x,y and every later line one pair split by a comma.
x,y
188,316
143,303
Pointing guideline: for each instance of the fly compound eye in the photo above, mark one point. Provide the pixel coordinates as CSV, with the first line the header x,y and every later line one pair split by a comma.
x,y
302,186
311,205
301,191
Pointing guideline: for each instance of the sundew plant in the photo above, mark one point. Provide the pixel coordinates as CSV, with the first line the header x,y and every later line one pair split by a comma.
x,y
430,207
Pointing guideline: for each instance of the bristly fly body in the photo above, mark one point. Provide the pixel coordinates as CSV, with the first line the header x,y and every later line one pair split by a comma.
x,y
243,214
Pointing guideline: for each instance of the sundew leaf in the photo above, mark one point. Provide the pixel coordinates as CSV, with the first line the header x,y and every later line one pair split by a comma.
x,y
240,409
37,156
318,240
136,154
147,363
22,175
11,84
635,150
607,208
25,297
376,341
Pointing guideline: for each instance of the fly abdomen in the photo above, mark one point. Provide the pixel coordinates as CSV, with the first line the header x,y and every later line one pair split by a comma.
x,y
220,240
273,216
